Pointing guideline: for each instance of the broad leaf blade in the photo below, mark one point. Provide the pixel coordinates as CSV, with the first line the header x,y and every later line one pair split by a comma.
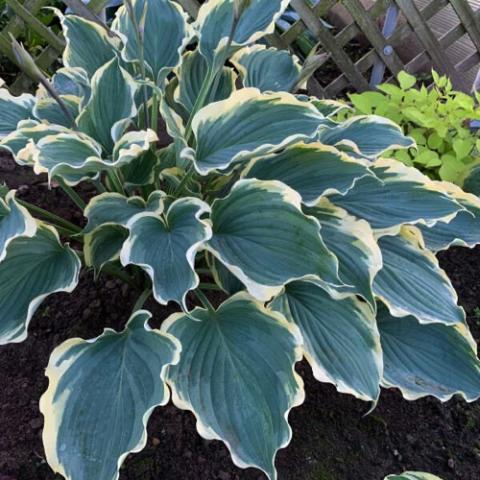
x,y
13,110
236,374
176,238
15,221
250,124
341,340
412,283
313,170
111,105
432,359
100,396
267,69
33,268
262,236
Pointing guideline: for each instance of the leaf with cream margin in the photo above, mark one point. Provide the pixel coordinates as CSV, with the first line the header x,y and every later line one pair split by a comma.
x,y
165,247
15,221
48,110
111,106
215,21
71,156
328,107
434,359
463,230
399,195
165,34
236,374
312,169
13,110
228,282
353,242
88,45
262,236
340,337
131,146
411,281
249,124
267,69
100,396
191,75
108,215
21,142
370,135
413,476
33,268
72,81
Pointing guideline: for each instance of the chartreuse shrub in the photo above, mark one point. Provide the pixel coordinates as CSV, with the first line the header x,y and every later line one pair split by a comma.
x,y
437,118
324,248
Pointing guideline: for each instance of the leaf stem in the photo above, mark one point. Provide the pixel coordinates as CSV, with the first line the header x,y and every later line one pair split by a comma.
x,y
74,196
210,286
204,300
50,217
142,299
115,181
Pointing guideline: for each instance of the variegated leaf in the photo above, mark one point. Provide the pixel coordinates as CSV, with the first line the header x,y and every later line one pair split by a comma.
x,y
165,34
48,110
353,242
249,124
32,269
262,236
228,282
89,46
13,110
267,69
215,21
341,340
176,237
100,396
370,136
191,75
15,221
111,106
413,476
399,195
312,169
412,283
244,355
434,359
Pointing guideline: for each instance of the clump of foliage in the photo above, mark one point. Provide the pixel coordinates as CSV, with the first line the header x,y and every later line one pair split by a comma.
x,y
437,118
323,246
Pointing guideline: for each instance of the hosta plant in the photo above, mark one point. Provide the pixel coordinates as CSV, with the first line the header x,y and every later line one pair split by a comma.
x,y
323,249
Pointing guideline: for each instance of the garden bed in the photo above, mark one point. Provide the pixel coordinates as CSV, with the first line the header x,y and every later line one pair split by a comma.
x,y
332,440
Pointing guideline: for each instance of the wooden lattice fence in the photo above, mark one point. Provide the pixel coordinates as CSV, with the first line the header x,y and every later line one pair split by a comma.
x,y
387,36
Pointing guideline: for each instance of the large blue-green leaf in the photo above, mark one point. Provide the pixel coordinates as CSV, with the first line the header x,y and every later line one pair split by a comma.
x,y
250,124
412,283
89,46
262,236
111,106
131,146
228,282
100,396
369,135
313,170
463,230
165,34
215,22
165,247
20,143
191,75
72,81
71,156
432,359
32,269
236,374
108,215
13,110
48,110
267,69
15,221
354,244
341,340
398,196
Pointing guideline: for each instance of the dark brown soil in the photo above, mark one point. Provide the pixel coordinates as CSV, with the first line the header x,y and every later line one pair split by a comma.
x,y
332,440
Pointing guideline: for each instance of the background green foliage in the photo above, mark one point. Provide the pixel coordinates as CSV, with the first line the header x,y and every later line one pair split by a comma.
x,y
437,118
